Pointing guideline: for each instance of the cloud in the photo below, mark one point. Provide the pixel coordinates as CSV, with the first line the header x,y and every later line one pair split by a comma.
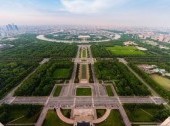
x,y
89,6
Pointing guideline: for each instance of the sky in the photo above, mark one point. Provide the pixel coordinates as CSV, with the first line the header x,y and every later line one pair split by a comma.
x,y
153,13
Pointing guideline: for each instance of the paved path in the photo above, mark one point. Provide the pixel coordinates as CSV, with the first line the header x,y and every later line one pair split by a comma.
x,y
42,117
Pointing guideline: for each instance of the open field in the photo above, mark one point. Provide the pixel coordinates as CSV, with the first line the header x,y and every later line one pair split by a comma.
x,y
162,81
57,90
53,120
62,73
109,90
83,92
114,119
20,113
124,50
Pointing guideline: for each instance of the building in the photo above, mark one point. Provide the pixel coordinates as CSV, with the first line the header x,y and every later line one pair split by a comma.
x,y
130,43
84,37
11,27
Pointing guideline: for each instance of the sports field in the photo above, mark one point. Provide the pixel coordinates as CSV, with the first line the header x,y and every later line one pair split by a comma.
x,y
162,81
125,50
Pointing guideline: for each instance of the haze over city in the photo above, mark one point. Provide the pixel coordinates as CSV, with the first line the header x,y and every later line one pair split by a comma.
x,y
151,13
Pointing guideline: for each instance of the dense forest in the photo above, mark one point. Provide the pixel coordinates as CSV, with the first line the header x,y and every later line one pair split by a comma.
x,y
99,51
126,83
42,81
27,46
24,56
12,73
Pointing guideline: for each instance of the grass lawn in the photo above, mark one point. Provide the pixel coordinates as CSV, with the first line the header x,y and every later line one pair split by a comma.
x,y
125,50
62,73
57,91
84,71
142,113
162,81
114,119
66,112
53,120
19,113
83,92
109,90
84,53
100,112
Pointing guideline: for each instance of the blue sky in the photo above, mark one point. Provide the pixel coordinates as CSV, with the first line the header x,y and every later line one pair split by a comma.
x,y
89,12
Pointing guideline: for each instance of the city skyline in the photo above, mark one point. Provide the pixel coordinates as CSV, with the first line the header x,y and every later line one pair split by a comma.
x,y
152,13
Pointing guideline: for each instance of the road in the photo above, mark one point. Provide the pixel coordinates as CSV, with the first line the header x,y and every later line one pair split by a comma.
x,y
99,99
57,101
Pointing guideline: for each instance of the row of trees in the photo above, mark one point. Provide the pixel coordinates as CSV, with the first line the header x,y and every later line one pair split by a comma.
x,y
90,74
126,82
77,74
147,59
42,81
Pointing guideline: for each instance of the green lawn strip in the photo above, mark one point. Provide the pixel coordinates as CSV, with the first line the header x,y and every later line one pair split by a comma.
x,y
62,73
84,71
84,53
114,119
83,92
66,112
53,120
125,50
109,90
57,91
142,113
100,112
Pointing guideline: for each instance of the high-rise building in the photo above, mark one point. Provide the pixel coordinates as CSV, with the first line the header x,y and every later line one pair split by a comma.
x,y
11,27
